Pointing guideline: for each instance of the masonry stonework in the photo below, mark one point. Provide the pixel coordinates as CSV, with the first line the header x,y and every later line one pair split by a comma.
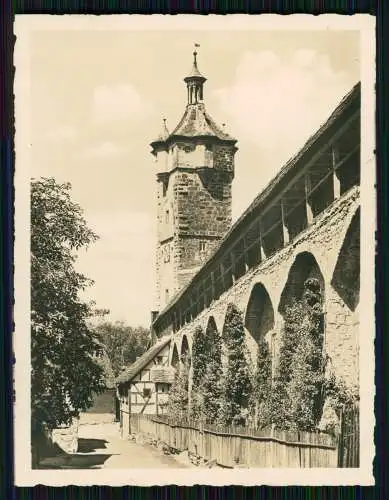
x,y
195,166
324,240
304,224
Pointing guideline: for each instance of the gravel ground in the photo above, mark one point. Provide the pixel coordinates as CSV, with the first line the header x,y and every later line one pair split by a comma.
x,y
100,446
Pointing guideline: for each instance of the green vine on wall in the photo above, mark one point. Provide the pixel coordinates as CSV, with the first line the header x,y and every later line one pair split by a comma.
x,y
179,392
297,394
212,376
237,385
263,384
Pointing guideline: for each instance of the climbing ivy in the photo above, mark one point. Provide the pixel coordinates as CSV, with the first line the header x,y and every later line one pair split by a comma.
x,y
200,359
297,393
207,373
338,394
262,384
292,400
212,385
179,392
237,385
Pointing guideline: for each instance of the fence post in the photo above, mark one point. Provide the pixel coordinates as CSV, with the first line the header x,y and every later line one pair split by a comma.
x,y
341,438
299,447
273,444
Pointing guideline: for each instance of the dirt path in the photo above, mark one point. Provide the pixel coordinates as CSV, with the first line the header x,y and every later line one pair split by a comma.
x,y
100,446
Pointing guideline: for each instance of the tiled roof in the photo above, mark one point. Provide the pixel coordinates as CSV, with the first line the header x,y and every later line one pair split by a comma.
x,y
162,374
129,373
196,122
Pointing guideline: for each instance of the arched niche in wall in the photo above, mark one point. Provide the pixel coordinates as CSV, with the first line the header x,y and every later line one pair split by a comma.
x,y
212,334
259,319
211,326
175,358
185,351
346,277
303,268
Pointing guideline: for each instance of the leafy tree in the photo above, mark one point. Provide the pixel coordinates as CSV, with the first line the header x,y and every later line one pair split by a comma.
x,y
179,392
64,374
103,360
237,386
123,343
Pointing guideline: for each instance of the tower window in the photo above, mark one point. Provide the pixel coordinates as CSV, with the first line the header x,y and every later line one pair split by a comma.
x,y
166,295
203,246
167,216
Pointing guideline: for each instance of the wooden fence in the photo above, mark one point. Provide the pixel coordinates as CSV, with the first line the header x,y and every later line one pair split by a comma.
x,y
234,446
348,454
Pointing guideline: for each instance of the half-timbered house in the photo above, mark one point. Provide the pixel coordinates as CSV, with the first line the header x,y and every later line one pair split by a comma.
x,y
144,386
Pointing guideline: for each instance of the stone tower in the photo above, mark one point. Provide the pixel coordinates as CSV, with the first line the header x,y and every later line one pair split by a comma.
x,y
195,169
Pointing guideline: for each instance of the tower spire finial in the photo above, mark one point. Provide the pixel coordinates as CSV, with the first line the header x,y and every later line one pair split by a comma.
x,y
196,46
195,81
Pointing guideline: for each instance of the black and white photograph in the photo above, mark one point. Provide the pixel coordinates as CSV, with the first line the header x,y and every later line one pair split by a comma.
x,y
194,302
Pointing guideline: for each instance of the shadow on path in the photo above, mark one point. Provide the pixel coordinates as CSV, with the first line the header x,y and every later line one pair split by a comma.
x,y
75,461
89,445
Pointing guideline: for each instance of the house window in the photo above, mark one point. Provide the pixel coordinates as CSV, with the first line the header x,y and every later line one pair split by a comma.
x,y
146,392
166,295
159,360
167,217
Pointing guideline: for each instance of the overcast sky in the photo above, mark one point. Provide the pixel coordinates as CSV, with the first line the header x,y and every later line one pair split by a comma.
x,y
98,99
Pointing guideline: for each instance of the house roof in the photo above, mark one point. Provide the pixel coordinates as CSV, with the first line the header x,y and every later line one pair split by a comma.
x,y
129,373
347,104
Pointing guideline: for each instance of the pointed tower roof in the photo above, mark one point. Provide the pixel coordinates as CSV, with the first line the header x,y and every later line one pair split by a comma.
x,y
195,73
162,136
195,122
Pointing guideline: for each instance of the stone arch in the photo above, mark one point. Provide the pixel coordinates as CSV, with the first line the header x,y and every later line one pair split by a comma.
x,y
185,351
175,358
346,277
211,325
219,316
259,317
304,267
